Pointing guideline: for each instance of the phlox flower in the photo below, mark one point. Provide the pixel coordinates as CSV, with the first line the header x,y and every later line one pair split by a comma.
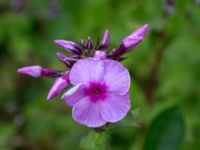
x,y
100,93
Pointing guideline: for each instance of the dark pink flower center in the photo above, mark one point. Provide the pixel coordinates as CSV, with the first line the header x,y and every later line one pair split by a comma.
x,y
96,90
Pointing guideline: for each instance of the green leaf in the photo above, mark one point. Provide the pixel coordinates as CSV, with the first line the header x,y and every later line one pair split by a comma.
x,y
131,119
94,141
166,132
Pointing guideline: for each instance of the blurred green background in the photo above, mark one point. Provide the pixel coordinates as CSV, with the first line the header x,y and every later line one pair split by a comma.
x,y
165,70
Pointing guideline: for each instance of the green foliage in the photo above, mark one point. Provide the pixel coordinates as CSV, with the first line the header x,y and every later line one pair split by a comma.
x,y
166,131
7,132
131,120
94,141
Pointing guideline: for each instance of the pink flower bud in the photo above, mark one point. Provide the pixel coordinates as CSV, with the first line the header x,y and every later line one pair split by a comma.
x,y
135,38
34,71
106,40
38,71
130,42
88,43
69,46
60,84
67,60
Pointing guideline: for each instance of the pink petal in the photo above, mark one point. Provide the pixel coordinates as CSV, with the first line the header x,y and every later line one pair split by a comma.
x,y
86,70
116,76
87,113
115,107
74,94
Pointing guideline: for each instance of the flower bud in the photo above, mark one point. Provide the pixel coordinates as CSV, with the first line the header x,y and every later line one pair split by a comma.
x,y
69,46
130,41
106,40
59,84
38,71
88,43
33,71
68,61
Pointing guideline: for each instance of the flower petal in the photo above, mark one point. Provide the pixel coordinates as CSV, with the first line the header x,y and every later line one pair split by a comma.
x,y
116,77
87,113
86,70
73,95
115,107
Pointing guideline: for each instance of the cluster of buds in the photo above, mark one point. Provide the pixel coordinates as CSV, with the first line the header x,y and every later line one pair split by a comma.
x,y
84,49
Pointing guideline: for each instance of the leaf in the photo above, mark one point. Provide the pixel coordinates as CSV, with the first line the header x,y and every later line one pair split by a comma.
x,y
166,132
94,141
131,119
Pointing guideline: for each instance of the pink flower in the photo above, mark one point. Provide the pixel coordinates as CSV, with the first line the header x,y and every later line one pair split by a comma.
x,y
100,93
101,84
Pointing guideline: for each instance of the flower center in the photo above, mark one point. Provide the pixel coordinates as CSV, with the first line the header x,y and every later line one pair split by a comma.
x,y
96,90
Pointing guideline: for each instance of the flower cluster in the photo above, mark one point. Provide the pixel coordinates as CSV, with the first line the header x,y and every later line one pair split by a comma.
x,y
101,83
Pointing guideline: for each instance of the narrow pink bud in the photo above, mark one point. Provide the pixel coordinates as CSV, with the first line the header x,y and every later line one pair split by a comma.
x,y
68,61
38,71
101,55
106,40
135,38
69,46
60,84
34,71
130,42
66,58
88,43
